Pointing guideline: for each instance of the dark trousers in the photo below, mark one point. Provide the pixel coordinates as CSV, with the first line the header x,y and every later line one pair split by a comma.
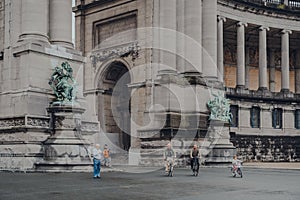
x,y
195,159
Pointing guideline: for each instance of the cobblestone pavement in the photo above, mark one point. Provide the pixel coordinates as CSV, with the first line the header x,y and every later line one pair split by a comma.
x,y
212,183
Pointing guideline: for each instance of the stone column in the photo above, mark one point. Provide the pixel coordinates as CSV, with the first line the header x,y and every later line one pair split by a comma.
x,y
180,47
192,28
285,68
272,71
297,73
221,20
240,55
61,22
263,85
209,39
34,20
167,38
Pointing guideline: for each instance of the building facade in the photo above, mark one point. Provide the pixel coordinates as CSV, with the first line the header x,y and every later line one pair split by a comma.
x,y
36,37
146,71
249,49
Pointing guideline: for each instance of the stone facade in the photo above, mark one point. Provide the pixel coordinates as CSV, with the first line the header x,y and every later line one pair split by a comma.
x,y
146,70
168,78
35,38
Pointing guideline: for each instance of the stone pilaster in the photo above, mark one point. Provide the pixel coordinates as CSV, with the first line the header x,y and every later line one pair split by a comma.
x,y
34,20
247,59
297,73
221,20
285,64
209,39
263,58
241,54
61,22
272,71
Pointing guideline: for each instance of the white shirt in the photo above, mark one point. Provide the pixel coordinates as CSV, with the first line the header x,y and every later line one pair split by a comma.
x,y
97,153
237,163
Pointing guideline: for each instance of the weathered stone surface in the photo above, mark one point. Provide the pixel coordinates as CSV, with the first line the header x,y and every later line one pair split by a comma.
x,y
28,57
164,94
267,148
66,148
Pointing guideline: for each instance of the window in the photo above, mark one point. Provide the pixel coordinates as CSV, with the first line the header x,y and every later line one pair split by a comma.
x,y
277,118
255,117
234,110
297,119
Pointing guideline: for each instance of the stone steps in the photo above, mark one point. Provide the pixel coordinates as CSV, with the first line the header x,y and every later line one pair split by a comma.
x,y
152,151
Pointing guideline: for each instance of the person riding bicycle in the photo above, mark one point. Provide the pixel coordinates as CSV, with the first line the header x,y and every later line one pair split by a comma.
x,y
236,164
195,155
169,156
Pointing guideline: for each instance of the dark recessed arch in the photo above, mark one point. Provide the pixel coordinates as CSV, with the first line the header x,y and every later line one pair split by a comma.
x,y
114,103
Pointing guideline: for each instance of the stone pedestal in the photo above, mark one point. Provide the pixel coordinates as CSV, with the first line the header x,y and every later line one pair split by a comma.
x,y
65,150
220,150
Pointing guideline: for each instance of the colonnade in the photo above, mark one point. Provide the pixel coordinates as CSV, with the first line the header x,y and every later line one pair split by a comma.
x,y
241,75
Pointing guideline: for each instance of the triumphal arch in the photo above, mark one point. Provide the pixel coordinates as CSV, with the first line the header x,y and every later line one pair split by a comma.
x,y
222,74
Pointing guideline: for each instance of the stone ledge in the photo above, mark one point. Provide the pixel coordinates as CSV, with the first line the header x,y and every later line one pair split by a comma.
x,y
47,49
255,7
253,95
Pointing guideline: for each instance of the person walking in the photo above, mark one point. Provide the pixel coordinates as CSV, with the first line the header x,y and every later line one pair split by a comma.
x,y
97,156
194,156
106,155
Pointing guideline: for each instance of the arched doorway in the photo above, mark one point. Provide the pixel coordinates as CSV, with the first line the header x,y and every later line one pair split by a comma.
x,y
114,104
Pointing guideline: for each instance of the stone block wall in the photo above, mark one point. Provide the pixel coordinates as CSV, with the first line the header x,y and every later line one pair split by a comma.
x,y
267,148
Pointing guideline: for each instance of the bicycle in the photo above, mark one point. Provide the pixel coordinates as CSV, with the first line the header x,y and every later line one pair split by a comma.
x,y
237,170
170,164
195,166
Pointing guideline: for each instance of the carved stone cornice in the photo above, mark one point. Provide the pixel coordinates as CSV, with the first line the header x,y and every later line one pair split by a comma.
x,y
124,50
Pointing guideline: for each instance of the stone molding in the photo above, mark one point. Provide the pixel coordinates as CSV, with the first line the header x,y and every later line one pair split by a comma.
x,y
47,49
125,50
266,16
87,127
27,121
256,95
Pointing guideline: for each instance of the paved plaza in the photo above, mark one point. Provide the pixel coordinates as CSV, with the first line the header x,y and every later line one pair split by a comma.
x,y
212,183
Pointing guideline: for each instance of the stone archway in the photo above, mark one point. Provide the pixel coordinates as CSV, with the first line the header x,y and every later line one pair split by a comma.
x,y
114,104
